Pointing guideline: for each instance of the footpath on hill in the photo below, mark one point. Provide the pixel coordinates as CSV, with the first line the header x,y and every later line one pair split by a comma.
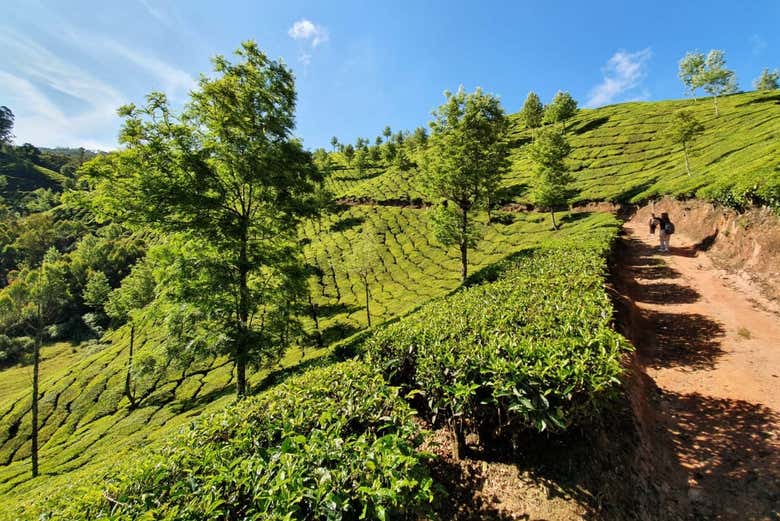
x,y
710,348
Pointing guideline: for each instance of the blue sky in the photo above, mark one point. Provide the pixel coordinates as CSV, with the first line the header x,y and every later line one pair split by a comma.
x,y
66,66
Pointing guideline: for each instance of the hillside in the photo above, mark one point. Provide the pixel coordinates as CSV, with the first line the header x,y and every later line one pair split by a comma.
x,y
87,423
620,154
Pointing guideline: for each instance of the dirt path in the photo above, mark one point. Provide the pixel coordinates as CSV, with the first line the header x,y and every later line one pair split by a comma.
x,y
711,345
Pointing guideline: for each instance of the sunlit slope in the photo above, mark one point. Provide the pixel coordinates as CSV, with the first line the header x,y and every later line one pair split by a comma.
x,y
620,153
87,425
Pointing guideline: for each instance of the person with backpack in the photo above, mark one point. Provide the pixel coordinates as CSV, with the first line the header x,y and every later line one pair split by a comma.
x,y
665,230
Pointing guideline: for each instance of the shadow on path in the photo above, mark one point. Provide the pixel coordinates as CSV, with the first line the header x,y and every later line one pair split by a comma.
x,y
727,449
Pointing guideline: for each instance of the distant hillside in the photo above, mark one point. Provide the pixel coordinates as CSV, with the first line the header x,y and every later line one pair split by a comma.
x,y
27,168
620,154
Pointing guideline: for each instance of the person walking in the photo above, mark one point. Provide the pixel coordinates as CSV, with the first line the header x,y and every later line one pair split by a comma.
x,y
665,230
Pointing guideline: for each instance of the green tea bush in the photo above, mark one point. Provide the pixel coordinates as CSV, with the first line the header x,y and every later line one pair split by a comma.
x,y
532,350
333,443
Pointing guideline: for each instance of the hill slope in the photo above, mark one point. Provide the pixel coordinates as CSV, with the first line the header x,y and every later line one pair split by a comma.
x,y
87,424
620,154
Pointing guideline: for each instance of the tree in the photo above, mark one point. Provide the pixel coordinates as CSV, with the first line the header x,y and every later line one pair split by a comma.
x,y
360,161
466,156
533,111
32,301
683,131
562,108
364,258
227,176
549,152
334,142
349,153
689,71
123,305
710,73
767,80
716,79
6,125
387,133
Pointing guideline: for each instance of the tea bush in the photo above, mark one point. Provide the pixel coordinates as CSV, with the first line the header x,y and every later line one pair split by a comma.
x,y
533,349
333,443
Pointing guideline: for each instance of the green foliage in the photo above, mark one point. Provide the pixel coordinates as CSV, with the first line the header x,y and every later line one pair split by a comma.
x,y
225,174
334,443
561,109
137,290
549,151
97,290
689,71
6,125
683,131
533,349
466,159
767,80
533,111
710,73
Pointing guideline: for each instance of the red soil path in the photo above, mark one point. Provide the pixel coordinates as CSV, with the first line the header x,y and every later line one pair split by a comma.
x,y
711,345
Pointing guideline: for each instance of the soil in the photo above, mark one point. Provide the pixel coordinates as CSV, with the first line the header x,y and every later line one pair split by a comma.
x,y
708,343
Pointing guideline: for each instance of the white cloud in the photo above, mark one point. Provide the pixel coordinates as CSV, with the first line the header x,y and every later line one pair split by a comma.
x,y
37,83
623,73
175,82
307,30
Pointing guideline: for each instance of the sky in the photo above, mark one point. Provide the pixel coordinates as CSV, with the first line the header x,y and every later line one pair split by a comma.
x,y
65,67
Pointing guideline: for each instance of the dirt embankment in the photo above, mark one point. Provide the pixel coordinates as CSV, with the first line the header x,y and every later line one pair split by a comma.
x,y
746,244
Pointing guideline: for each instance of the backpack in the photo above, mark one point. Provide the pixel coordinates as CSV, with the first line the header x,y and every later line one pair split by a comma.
x,y
669,228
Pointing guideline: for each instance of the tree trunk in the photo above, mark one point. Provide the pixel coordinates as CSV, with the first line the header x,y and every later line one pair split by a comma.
x,y
685,153
459,438
315,318
242,349
552,213
715,100
368,295
464,244
36,364
128,387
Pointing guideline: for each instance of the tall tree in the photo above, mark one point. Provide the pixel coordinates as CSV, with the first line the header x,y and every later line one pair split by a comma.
x,y
227,175
683,131
689,71
562,108
466,156
123,306
716,79
533,111
334,142
549,152
363,261
388,133
32,302
6,125
767,80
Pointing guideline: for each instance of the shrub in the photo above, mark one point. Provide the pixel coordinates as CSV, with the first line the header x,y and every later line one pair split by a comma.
x,y
533,350
333,443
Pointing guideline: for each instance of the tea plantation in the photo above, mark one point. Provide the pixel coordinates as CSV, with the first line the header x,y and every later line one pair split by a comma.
x,y
620,153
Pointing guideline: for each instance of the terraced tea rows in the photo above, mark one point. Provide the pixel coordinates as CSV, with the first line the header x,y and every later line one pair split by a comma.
x,y
412,268
620,153
86,423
